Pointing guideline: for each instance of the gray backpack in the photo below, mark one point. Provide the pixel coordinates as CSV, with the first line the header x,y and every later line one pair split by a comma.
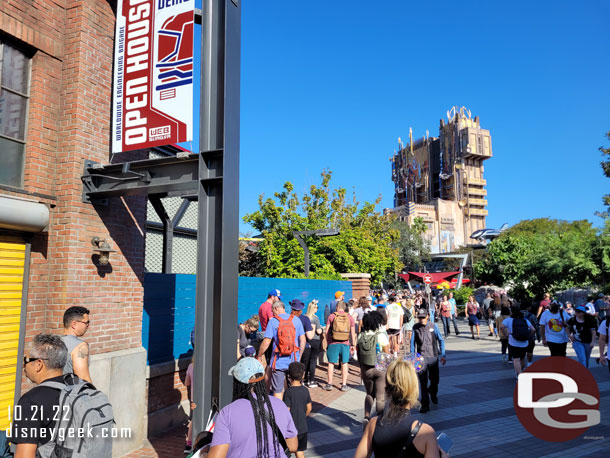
x,y
84,425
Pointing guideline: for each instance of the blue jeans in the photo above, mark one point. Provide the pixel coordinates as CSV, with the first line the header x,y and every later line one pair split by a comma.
x,y
583,352
446,326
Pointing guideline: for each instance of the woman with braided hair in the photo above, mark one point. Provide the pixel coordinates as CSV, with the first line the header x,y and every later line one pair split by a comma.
x,y
254,425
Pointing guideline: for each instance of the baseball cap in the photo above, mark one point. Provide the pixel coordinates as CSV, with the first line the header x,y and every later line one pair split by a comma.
x,y
422,313
275,293
338,294
296,304
245,369
581,308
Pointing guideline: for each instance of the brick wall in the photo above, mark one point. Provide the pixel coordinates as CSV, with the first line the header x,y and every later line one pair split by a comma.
x,y
71,43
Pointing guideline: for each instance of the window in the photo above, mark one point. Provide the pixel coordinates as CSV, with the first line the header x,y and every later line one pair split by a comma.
x,y
14,95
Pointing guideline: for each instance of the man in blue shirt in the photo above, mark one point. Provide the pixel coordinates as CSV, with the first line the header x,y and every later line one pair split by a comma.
x,y
332,308
279,364
453,313
426,340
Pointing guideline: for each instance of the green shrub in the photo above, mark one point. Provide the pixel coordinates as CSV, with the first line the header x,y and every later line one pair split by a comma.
x,y
461,295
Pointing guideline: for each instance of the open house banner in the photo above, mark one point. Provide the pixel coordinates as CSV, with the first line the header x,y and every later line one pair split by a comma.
x,y
153,74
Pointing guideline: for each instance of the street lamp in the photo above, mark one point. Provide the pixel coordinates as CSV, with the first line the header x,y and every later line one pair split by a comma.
x,y
320,233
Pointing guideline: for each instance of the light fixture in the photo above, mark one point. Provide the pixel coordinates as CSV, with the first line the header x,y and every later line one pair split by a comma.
x,y
104,250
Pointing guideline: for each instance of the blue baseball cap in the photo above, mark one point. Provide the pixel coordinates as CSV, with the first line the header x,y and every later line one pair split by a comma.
x,y
245,369
274,293
581,308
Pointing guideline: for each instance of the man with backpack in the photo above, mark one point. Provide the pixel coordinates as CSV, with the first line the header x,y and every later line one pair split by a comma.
x,y
529,352
340,327
519,332
288,336
59,398
429,343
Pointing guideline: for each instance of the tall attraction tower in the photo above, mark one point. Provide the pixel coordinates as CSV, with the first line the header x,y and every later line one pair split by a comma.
x,y
440,179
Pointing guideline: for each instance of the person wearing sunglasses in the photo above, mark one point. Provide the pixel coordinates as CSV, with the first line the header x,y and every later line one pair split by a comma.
x,y
37,410
76,324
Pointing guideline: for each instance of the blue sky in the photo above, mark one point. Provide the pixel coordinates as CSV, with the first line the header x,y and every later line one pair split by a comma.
x,y
332,85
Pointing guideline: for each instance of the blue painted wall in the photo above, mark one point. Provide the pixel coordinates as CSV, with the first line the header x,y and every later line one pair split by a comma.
x,y
169,306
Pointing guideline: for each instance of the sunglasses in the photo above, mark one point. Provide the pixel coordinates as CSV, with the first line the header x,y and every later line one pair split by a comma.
x,y
86,323
29,360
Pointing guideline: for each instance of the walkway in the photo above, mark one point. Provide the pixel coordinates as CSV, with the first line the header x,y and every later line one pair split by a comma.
x,y
475,409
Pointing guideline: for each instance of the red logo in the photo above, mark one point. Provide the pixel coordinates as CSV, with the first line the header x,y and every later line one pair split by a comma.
x,y
427,279
557,399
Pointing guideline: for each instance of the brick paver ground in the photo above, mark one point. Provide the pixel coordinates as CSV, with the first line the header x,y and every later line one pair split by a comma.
x,y
475,409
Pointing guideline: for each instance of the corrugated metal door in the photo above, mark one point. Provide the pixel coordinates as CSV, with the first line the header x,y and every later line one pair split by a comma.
x,y
12,265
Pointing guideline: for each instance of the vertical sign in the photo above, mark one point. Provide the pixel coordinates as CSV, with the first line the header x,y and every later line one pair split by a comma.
x,y
153,74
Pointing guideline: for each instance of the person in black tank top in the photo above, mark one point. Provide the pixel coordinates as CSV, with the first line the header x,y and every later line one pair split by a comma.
x,y
395,434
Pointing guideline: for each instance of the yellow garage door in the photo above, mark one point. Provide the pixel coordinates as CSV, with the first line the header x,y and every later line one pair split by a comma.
x,y
12,264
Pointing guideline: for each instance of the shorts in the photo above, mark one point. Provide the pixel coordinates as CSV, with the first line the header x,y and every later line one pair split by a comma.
x,y
334,351
517,352
302,442
393,332
277,380
530,346
473,320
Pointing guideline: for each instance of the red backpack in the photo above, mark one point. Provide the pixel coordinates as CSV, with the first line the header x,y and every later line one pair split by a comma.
x,y
286,336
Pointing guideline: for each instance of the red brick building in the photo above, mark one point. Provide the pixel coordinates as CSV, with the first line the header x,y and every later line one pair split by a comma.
x,y
56,62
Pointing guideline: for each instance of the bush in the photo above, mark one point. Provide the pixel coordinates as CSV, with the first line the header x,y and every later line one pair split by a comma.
x,y
461,295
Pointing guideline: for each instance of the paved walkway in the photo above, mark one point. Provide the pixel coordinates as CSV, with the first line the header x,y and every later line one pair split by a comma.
x,y
475,409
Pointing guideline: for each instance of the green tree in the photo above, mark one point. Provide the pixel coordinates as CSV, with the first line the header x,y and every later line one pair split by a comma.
x,y
366,241
541,255
413,249
606,169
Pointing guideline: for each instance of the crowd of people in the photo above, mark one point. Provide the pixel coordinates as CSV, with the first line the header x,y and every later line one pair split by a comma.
x,y
278,353
356,332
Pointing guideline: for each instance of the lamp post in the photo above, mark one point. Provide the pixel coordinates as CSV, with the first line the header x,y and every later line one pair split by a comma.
x,y
320,233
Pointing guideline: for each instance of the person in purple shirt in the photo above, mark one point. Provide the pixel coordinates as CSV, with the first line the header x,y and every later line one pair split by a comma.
x,y
254,425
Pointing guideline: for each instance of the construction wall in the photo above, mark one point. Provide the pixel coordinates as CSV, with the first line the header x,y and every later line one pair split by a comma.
x,y
169,317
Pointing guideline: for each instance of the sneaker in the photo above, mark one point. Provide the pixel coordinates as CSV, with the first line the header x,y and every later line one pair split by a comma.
x,y
457,333
504,358
424,409
344,388
434,399
328,387
187,449
313,385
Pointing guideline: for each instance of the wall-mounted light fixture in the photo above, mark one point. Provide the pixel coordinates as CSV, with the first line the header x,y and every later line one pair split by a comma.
x,y
104,250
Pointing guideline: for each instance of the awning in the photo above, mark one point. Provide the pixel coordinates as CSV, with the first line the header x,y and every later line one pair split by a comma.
x,y
437,277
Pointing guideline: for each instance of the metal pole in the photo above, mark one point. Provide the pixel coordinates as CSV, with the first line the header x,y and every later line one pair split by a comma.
x,y
217,259
305,250
168,233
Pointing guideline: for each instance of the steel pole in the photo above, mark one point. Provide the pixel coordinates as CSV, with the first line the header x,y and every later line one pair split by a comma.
x,y
218,205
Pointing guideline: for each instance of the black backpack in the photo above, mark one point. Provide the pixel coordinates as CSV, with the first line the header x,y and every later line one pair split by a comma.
x,y
521,331
407,314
